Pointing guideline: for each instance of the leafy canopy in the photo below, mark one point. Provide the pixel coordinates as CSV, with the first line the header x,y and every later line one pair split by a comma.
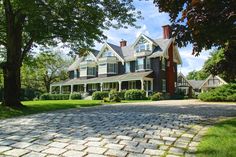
x,y
77,23
204,23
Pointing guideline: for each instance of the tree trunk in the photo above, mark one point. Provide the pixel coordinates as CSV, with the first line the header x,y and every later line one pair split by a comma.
x,y
12,86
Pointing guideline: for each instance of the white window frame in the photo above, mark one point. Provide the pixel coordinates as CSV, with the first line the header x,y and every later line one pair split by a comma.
x,y
93,71
127,67
114,68
132,85
148,63
163,85
163,64
137,66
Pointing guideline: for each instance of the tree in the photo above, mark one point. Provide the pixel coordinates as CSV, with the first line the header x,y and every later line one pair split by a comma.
x,y
197,75
40,71
77,23
204,23
217,64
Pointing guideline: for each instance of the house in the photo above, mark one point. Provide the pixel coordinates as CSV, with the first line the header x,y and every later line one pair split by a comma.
x,y
190,87
148,64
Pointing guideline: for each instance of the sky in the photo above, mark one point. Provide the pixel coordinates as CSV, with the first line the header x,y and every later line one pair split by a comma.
x,y
151,26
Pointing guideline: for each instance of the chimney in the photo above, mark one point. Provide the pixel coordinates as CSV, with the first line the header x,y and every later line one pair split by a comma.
x,y
166,31
123,43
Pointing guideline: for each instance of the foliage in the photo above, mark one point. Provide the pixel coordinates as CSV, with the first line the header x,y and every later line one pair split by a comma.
x,y
76,24
29,94
222,93
156,96
42,70
202,23
106,99
218,64
47,96
219,140
32,107
99,95
114,96
197,75
122,94
75,96
135,94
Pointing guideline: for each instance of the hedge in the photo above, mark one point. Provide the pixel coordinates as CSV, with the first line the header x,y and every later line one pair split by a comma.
x,y
75,96
47,96
222,93
100,95
135,94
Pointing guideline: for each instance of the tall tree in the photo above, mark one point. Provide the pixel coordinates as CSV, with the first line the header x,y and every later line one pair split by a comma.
x,y
197,75
76,23
43,69
204,23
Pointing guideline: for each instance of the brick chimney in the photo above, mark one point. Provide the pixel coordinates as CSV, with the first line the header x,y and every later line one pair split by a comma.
x,y
123,43
166,31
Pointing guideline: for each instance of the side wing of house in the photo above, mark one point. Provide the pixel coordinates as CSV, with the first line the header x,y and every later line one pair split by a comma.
x,y
212,82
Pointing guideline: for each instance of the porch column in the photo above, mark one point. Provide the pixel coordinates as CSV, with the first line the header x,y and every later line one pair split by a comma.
x,y
101,85
50,91
120,83
142,84
60,87
85,88
152,85
71,89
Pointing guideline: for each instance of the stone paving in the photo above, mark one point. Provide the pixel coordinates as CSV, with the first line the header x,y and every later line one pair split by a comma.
x,y
116,130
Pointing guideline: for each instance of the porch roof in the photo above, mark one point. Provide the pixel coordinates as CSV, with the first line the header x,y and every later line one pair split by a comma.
x,y
117,78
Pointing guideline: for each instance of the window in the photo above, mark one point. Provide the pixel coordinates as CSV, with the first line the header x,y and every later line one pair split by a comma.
x,y
148,63
75,74
163,85
112,68
127,67
132,85
89,58
107,54
91,71
140,63
108,86
142,47
163,64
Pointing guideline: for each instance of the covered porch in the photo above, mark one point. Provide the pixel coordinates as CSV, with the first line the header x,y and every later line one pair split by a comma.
x,y
138,80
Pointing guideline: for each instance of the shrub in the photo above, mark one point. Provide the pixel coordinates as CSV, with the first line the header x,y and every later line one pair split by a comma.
x,y
222,93
75,96
135,94
47,96
156,96
122,94
99,95
114,96
106,99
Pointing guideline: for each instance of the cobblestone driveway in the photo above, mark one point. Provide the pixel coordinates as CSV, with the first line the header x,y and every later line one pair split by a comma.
x,y
150,129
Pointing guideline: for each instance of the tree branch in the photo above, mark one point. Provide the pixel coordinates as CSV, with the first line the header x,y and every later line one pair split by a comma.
x,y
26,49
3,43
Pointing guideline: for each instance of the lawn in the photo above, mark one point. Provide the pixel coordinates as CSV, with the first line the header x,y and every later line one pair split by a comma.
x,y
219,141
32,107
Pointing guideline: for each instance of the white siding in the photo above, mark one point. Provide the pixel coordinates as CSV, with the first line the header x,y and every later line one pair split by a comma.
x,y
83,72
102,69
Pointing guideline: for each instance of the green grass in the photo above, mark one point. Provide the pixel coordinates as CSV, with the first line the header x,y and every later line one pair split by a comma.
x,y
220,140
32,107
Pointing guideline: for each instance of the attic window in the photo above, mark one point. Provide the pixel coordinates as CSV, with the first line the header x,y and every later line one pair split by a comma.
x,y
107,54
142,47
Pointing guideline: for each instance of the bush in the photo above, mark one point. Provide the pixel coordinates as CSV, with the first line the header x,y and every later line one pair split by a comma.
x,y
222,93
47,96
156,96
75,96
135,94
122,94
99,95
106,99
114,96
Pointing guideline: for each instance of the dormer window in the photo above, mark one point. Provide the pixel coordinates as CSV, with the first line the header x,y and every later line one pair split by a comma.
x,y
143,47
89,58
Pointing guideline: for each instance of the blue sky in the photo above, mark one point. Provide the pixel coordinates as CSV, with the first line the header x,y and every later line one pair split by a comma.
x,y
151,26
